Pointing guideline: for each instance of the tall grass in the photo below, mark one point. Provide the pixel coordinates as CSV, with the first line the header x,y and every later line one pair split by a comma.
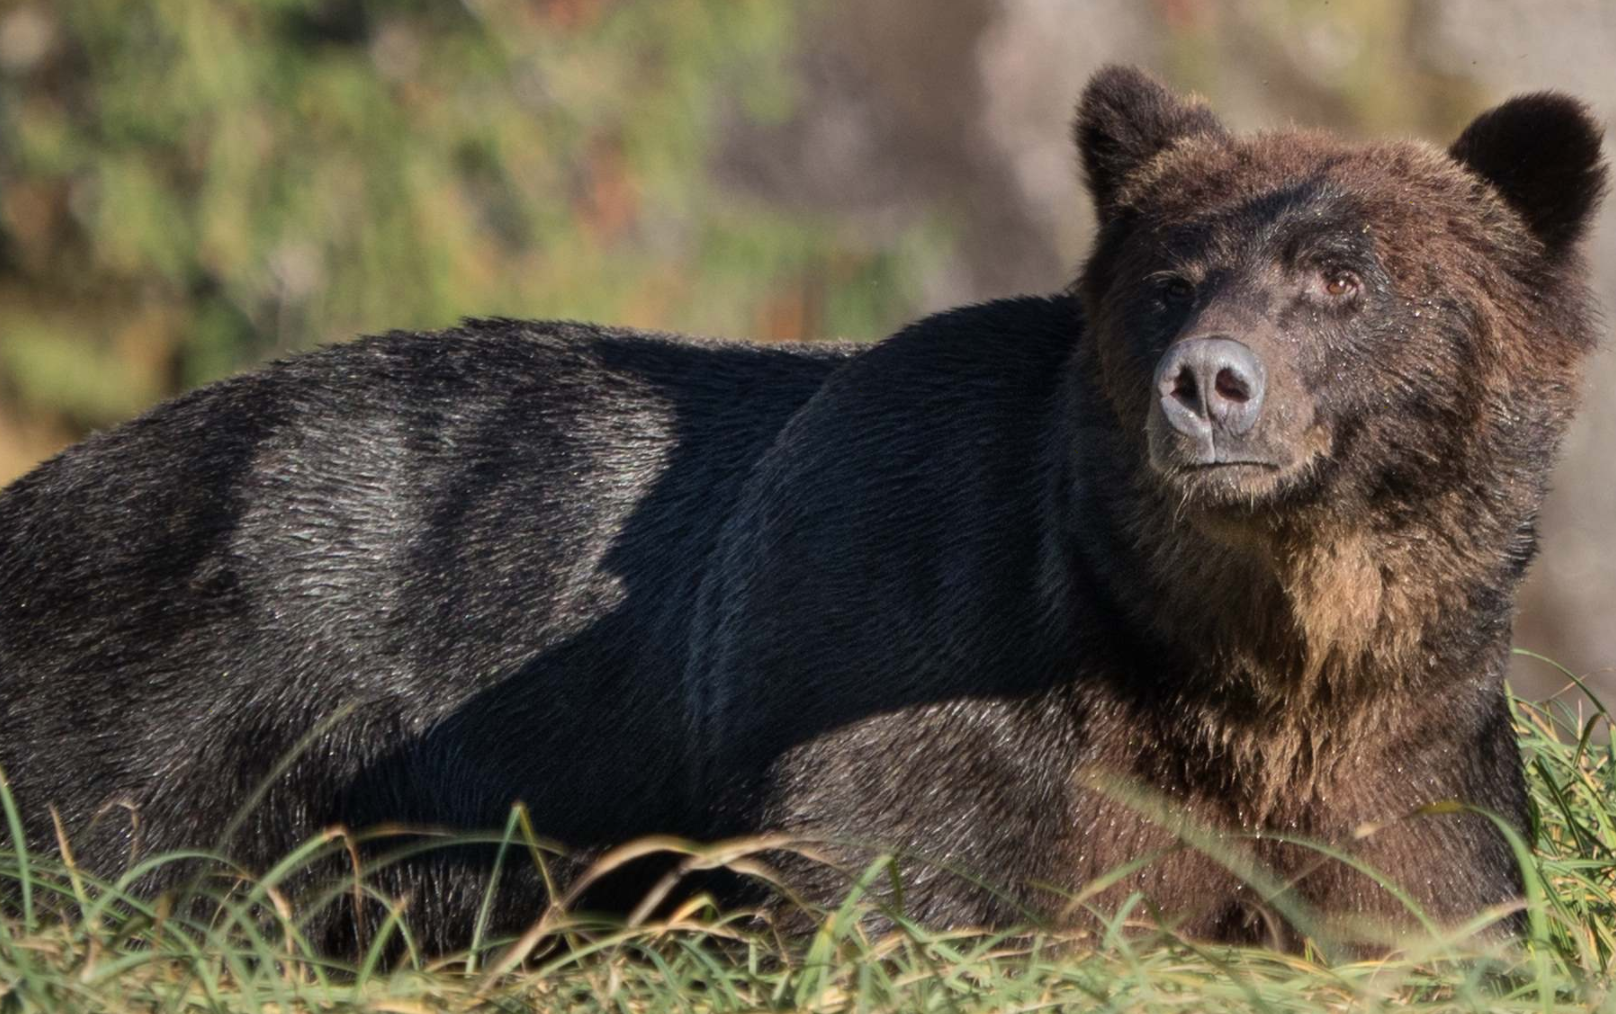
x,y
70,941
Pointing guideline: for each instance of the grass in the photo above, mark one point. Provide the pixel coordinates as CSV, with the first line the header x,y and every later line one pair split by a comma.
x,y
69,942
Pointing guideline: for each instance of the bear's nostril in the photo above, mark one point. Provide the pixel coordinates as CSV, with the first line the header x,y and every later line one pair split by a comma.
x,y
1184,388
1232,386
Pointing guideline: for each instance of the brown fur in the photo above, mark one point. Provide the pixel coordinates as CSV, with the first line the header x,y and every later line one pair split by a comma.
x,y
1325,622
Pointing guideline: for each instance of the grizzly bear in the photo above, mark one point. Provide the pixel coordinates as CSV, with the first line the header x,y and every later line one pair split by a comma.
x,y
1219,547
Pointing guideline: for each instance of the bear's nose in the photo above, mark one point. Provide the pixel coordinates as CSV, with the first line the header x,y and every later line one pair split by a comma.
x,y
1210,384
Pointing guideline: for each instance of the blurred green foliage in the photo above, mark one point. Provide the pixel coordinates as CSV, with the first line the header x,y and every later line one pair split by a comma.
x,y
188,186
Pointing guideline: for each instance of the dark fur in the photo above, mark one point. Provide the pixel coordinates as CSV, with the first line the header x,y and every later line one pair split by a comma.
x,y
937,596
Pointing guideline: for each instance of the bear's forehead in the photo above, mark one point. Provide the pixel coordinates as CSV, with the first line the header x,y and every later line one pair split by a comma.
x,y
1397,188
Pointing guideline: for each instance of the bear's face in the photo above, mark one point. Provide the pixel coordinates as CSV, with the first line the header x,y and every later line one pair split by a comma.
x,y
1267,313
1288,320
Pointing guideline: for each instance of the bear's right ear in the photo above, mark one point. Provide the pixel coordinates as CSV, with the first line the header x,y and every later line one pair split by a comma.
x,y
1541,153
1124,119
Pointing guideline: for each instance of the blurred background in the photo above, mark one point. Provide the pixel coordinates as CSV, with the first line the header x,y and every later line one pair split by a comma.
x,y
188,187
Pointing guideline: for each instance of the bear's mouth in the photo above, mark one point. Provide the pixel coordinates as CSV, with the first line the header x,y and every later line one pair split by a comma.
x,y
1243,482
1209,466
1244,491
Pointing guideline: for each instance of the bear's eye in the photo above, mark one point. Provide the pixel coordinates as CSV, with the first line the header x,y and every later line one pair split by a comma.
x,y
1177,291
1339,283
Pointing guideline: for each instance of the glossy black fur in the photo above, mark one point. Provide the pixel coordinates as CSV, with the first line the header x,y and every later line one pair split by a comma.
x,y
929,596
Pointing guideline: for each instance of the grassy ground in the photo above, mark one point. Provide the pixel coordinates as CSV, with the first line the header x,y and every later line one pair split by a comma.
x,y
69,943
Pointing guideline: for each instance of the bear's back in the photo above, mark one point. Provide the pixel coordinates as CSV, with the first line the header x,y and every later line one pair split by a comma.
x,y
401,526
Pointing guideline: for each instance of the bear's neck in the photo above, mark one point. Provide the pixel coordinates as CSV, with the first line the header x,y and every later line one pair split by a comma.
x,y
1266,663
1306,612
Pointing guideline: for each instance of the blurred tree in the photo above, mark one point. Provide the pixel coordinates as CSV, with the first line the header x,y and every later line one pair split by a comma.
x,y
187,186
1362,67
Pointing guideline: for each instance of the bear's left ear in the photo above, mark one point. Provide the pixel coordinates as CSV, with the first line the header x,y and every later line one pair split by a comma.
x,y
1124,119
1541,152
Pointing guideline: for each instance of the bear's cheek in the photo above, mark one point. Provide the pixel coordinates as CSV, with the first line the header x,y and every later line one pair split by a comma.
x,y
1129,341
1392,411
1425,380
1364,367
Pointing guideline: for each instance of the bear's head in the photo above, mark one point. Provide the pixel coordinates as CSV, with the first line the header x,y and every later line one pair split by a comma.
x,y
1289,325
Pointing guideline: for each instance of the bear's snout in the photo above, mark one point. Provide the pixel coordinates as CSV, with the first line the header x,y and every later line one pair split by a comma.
x,y
1211,390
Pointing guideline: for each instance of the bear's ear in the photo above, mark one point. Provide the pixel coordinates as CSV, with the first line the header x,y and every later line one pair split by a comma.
x,y
1541,152
1125,118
